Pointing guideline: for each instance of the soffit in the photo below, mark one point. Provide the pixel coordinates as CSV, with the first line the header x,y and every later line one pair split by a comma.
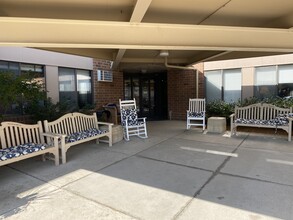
x,y
214,14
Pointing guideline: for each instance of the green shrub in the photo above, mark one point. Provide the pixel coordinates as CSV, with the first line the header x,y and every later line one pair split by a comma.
x,y
47,110
247,101
20,90
277,101
219,108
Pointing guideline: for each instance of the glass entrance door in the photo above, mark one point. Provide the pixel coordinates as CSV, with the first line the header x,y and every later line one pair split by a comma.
x,y
150,92
147,97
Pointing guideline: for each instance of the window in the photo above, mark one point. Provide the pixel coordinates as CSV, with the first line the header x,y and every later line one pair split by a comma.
x,y
6,66
84,87
285,86
213,85
20,68
265,82
223,85
232,85
75,87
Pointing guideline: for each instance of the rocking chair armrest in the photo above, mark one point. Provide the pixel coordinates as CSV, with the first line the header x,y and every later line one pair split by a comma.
x,y
143,118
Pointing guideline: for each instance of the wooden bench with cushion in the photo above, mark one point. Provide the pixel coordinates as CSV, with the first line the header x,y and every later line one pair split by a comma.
x,y
76,128
262,115
22,141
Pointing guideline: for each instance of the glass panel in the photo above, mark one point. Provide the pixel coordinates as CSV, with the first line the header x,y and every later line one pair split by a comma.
x,y
135,87
14,67
265,91
152,95
27,68
285,88
265,81
213,85
145,96
265,75
127,88
67,89
3,65
286,74
232,85
84,87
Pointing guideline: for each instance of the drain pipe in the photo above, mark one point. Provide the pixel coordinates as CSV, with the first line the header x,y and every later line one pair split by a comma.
x,y
165,54
178,67
184,68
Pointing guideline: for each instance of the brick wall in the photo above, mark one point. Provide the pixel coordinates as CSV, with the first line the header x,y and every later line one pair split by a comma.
x,y
181,87
107,92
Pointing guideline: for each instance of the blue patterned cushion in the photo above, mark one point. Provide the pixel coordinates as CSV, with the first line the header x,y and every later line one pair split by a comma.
x,y
83,135
282,119
131,116
195,114
19,150
279,120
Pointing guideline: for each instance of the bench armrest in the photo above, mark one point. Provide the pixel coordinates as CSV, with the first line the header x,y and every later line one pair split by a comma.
x,y
105,123
232,115
52,135
55,137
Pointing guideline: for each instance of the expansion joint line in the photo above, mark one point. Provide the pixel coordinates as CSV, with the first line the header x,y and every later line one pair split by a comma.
x,y
215,173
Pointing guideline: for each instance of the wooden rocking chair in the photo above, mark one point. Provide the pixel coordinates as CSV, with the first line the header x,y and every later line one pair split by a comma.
x,y
196,113
132,125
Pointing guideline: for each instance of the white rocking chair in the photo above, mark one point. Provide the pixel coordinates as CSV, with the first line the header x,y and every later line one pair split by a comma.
x,y
132,125
196,113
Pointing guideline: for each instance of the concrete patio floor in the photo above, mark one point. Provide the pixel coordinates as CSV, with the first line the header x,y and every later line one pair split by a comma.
x,y
174,174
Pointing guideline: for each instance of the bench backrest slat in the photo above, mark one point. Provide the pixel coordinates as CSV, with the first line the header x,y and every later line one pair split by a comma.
x,y
13,134
71,123
260,111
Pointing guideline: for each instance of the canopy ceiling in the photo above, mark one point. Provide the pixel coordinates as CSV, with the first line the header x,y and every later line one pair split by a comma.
x,y
132,33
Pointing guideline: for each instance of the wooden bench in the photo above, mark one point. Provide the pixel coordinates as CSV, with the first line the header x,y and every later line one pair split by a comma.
x,y
76,128
22,141
262,115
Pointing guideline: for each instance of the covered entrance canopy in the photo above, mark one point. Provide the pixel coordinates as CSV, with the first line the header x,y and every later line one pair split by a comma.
x,y
132,33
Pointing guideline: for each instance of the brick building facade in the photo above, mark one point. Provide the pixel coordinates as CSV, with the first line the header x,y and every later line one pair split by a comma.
x,y
106,92
181,85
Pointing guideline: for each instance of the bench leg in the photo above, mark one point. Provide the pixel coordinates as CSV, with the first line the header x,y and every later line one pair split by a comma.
x,y
63,152
110,140
233,130
289,130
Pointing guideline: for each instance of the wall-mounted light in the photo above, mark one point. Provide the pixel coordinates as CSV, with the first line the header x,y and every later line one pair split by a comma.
x,y
164,53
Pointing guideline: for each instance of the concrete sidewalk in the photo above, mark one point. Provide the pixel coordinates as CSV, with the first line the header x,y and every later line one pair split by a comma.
x,y
174,174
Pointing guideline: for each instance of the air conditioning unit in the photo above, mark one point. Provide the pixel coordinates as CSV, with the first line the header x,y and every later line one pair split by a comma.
x,y
105,75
